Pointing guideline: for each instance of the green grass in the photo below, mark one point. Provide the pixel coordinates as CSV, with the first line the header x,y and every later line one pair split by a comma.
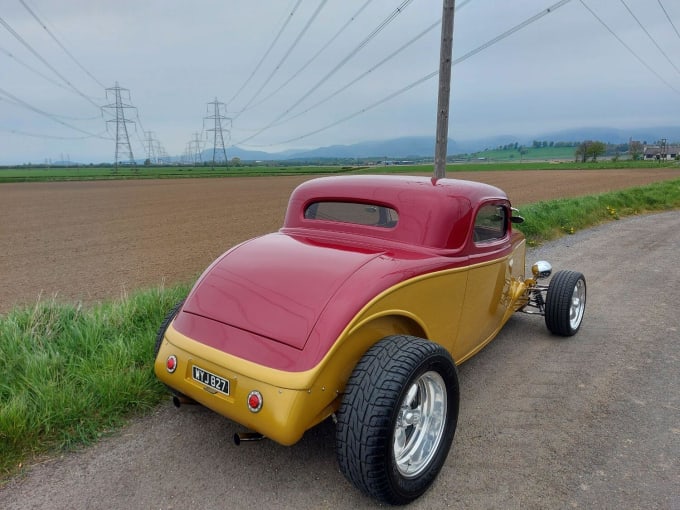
x,y
554,218
488,165
532,153
85,173
71,374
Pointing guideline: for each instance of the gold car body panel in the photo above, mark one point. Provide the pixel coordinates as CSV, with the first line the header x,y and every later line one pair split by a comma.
x,y
486,293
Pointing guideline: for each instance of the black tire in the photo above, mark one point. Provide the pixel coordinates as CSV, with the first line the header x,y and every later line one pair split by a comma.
x,y
164,326
565,303
386,413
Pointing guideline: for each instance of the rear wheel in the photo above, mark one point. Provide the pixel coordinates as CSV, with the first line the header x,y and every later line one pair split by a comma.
x,y
398,418
565,303
161,334
164,326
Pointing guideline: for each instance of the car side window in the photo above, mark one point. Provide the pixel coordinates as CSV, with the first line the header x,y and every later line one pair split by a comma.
x,y
490,224
353,212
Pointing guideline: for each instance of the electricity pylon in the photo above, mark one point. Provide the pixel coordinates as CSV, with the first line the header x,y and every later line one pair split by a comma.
x,y
195,149
122,137
155,152
219,111
163,157
186,157
151,145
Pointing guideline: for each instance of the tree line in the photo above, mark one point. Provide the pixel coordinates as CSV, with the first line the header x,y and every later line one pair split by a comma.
x,y
586,150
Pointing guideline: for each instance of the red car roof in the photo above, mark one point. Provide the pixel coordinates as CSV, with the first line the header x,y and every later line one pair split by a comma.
x,y
450,205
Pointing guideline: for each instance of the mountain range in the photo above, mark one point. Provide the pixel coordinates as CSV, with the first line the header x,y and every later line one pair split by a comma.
x,y
413,147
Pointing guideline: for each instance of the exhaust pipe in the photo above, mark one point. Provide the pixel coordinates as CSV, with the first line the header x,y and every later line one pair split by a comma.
x,y
247,436
178,400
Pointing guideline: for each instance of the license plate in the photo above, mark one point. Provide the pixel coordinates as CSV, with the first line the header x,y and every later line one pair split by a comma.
x,y
211,380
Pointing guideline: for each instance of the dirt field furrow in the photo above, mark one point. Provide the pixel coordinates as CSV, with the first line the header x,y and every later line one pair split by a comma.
x,y
89,241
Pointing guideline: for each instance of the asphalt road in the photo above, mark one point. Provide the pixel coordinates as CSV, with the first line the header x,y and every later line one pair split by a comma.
x,y
591,421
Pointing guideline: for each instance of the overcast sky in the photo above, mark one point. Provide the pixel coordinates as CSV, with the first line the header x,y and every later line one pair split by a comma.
x,y
563,70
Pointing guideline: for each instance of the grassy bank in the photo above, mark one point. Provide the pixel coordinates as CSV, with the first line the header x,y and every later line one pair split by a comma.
x,y
70,374
554,218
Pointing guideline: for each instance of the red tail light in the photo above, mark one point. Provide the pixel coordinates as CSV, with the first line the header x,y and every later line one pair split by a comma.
x,y
254,401
171,364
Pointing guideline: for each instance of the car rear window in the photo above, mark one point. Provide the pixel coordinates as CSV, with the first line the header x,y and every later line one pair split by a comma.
x,y
353,212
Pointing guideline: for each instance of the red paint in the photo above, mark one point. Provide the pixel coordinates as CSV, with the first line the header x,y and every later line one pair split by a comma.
x,y
275,286
281,300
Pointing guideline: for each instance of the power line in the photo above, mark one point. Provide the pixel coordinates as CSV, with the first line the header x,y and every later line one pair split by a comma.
x,y
669,18
50,116
650,37
141,127
630,50
429,76
139,121
53,137
39,57
288,52
35,71
367,108
351,54
67,117
460,5
363,75
266,53
511,31
60,44
319,52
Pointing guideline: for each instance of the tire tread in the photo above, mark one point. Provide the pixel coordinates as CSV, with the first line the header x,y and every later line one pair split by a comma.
x,y
558,302
364,420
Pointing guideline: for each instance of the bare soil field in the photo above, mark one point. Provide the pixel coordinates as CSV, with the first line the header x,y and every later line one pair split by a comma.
x,y
90,241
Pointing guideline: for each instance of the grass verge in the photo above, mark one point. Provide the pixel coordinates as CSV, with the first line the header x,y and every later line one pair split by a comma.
x,y
70,375
551,219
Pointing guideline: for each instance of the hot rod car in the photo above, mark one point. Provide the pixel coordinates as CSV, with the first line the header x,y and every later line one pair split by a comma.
x,y
359,308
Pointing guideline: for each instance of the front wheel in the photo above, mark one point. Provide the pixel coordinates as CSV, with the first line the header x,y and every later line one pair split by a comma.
x,y
565,303
397,418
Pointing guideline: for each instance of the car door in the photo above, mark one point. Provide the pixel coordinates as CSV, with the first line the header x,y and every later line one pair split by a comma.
x,y
488,279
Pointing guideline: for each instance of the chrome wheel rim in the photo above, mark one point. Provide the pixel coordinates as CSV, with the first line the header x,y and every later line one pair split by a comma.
x,y
578,304
420,424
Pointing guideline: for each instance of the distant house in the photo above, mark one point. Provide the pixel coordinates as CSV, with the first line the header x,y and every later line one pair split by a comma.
x,y
661,152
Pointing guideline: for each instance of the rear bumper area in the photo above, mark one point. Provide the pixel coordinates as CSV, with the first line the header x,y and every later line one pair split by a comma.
x,y
287,409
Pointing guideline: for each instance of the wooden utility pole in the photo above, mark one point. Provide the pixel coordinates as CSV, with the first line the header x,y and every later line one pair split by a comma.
x,y
445,56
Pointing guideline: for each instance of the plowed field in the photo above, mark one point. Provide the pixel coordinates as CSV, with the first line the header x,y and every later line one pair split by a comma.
x,y
90,241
